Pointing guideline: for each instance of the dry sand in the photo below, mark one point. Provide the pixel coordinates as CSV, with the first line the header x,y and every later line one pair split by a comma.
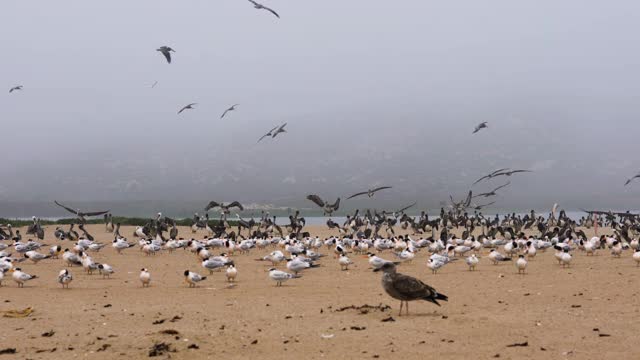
x,y
588,311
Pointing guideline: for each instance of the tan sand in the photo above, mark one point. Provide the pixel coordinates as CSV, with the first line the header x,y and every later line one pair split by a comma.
x,y
589,311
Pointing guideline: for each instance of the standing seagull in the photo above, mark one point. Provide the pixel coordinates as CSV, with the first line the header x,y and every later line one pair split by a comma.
x,y
369,192
190,107
482,125
279,130
18,87
631,179
406,288
166,51
232,108
262,7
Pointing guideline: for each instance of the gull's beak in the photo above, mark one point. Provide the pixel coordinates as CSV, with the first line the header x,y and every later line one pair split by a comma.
x,y
376,270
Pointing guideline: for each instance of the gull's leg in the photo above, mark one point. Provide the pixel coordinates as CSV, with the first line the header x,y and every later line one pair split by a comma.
x,y
400,313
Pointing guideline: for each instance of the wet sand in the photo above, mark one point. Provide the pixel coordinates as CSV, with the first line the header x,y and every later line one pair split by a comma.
x,y
588,311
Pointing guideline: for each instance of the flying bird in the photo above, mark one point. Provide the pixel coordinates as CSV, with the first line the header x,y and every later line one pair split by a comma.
x,y
232,108
154,84
262,7
166,51
279,129
493,174
407,288
270,133
481,206
326,207
225,208
189,107
493,192
369,192
482,125
631,179
511,172
19,87
401,210
81,215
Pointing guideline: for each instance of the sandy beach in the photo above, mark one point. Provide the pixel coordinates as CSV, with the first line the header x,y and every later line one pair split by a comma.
x,y
587,311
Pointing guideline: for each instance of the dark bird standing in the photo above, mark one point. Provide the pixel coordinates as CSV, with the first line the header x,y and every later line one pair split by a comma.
x,y
406,288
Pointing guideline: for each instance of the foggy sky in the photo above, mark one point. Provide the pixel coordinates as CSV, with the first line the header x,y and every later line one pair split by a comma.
x,y
374,93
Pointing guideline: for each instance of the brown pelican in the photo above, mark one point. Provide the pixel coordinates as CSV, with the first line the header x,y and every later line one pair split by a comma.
x,y
19,87
223,208
189,107
166,51
369,192
326,207
81,215
482,125
232,108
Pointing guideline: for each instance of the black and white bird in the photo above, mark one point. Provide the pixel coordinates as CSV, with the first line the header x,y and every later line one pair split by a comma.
x,y
166,51
15,88
21,277
482,125
369,192
187,107
193,278
65,278
326,207
262,7
406,288
268,134
232,108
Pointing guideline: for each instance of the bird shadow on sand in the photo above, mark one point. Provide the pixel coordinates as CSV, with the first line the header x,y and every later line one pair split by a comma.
x,y
416,315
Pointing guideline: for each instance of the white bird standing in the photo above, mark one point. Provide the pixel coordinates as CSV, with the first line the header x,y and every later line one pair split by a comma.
x,y
280,276
145,277
231,273
344,262
636,257
65,278
21,277
106,270
192,278
521,264
472,261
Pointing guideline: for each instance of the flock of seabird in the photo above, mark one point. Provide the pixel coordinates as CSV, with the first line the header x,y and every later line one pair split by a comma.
x,y
502,240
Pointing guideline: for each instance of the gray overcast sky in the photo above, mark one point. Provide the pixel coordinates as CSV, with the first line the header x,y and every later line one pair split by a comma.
x,y
374,92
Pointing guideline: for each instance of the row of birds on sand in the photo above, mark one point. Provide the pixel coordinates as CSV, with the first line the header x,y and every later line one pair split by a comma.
x,y
504,245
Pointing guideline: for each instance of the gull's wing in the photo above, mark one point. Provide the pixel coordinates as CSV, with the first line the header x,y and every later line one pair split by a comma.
x,y
501,186
224,113
336,205
316,199
381,188
66,208
482,178
95,213
253,2
271,11
406,207
167,55
358,194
